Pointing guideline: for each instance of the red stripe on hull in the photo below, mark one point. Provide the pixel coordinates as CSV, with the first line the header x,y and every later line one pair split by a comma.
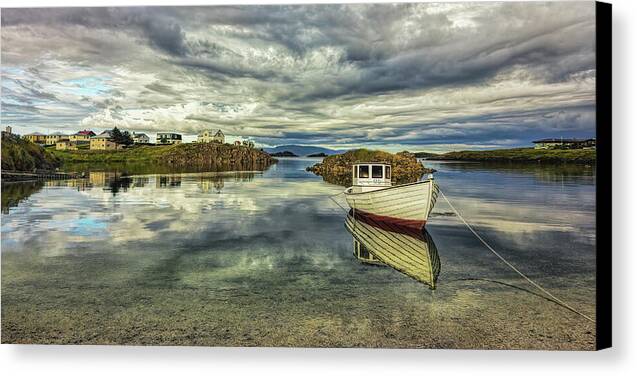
x,y
408,227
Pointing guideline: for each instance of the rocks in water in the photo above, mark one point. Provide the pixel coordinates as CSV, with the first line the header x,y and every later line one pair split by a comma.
x,y
284,154
337,169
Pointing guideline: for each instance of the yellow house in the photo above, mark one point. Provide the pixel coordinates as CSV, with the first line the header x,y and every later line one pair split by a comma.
x,y
84,135
53,138
71,145
66,145
36,137
103,142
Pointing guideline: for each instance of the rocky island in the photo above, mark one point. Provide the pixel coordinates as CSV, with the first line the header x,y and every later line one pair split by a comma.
x,y
337,169
284,154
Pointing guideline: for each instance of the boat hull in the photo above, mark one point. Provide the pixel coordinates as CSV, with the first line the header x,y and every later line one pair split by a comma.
x,y
407,204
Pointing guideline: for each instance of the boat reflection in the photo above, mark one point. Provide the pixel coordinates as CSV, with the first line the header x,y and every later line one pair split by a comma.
x,y
408,250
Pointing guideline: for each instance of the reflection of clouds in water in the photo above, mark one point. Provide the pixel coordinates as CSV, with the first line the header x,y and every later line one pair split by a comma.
x,y
59,218
165,213
518,217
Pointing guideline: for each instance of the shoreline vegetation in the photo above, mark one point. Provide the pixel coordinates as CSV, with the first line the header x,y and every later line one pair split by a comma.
x,y
176,158
337,169
21,155
523,155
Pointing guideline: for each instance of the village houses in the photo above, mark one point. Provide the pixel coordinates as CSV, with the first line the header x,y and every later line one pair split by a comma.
x,y
565,143
87,139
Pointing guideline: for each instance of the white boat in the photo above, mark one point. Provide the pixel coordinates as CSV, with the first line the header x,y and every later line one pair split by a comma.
x,y
411,252
373,194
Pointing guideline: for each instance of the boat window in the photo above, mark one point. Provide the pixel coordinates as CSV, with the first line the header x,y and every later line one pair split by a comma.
x,y
377,172
355,173
387,172
363,171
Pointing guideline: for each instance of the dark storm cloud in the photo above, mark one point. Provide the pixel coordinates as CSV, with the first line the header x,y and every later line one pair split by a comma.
x,y
156,24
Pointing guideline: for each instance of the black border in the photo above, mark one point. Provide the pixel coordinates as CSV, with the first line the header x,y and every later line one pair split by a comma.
x,y
603,117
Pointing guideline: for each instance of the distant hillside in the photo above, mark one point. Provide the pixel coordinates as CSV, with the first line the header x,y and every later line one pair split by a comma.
x,y
318,155
521,155
301,150
22,155
425,154
284,154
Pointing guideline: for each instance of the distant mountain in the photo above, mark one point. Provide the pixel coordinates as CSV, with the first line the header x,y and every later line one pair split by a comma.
x,y
302,150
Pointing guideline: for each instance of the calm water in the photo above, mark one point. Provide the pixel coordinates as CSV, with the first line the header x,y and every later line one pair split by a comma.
x,y
263,259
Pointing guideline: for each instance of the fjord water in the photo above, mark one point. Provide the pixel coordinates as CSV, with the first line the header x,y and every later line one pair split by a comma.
x,y
264,259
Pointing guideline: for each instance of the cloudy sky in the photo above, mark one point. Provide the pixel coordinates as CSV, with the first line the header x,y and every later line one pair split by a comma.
x,y
398,76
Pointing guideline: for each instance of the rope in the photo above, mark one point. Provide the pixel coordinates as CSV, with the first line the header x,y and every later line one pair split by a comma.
x,y
542,289
336,202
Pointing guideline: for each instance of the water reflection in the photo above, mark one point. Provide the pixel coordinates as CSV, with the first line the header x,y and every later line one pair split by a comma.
x,y
14,193
116,181
168,181
545,173
410,251
215,182
139,259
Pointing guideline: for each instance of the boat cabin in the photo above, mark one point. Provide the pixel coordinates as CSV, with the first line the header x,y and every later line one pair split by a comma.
x,y
363,255
371,176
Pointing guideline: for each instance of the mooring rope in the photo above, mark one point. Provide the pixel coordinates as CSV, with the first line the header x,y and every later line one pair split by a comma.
x,y
336,202
551,297
542,289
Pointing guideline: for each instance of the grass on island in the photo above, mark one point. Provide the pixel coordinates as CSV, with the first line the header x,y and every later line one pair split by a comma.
x,y
137,153
21,155
187,157
521,155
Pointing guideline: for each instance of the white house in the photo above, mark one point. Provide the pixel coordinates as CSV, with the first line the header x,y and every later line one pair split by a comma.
x,y
211,136
168,138
140,138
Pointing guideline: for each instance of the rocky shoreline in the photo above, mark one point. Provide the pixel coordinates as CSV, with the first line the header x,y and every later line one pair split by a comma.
x,y
337,169
213,156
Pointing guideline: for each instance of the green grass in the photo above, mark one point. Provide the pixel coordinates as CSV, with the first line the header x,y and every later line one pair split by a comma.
x,y
136,154
522,155
22,155
188,157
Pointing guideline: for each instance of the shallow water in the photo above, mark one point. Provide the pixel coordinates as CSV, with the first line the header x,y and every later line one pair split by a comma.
x,y
263,259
